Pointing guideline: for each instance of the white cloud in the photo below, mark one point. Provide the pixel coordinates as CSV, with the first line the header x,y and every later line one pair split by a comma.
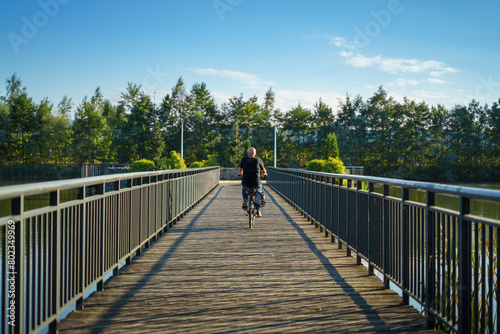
x,y
249,80
397,66
401,82
352,57
436,81
341,42
358,60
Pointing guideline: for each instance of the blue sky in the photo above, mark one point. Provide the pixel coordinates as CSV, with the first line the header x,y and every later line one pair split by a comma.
x,y
434,51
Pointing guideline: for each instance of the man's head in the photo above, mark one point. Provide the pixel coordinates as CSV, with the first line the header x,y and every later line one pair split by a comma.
x,y
252,152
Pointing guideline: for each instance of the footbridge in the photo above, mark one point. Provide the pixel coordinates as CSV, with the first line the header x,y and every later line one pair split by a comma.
x,y
170,251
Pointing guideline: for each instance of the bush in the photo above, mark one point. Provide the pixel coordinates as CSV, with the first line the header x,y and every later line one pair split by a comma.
x,y
174,162
142,165
213,160
334,165
197,164
315,165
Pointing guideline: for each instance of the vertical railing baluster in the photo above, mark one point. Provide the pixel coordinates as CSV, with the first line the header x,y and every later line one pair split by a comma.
x,y
358,189
385,235
405,244
464,277
370,228
430,297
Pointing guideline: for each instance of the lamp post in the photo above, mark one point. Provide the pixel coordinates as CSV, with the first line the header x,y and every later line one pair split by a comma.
x,y
182,137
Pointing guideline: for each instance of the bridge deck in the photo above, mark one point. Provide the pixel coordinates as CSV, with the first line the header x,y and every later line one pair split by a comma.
x,y
211,274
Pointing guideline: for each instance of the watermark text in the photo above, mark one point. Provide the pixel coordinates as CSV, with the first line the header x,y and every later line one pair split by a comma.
x,y
31,26
11,273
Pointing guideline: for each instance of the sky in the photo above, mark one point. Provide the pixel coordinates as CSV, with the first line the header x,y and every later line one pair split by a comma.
x,y
439,52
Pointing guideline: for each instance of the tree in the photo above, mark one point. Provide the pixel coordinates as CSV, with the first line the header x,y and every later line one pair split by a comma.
x,y
22,125
201,123
42,136
299,142
247,145
14,89
322,121
331,149
142,132
382,156
4,133
90,131
351,129
61,130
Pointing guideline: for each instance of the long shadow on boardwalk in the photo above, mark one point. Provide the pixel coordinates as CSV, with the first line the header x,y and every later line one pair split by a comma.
x,y
374,318
147,277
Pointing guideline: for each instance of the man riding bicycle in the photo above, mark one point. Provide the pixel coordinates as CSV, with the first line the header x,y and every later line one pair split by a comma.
x,y
251,168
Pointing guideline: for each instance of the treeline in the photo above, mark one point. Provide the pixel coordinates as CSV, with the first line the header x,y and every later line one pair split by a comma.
x,y
406,139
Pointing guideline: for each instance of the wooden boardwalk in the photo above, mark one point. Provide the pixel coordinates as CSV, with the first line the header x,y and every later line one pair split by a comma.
x,y
211,274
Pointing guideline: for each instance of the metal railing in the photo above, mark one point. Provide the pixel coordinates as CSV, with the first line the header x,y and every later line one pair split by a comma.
x,y
89,170
444,257
355,170
60,239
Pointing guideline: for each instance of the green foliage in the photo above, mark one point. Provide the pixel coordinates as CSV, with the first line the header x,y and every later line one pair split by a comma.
x,y
142,165
247,145
197,164
174,162
330,165
404,139
213,160
91,131
331,147
334,165
315,165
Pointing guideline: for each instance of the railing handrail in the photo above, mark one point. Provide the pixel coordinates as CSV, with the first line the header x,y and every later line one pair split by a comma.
x,y
469,192
446,259
27,189
69,244
88,164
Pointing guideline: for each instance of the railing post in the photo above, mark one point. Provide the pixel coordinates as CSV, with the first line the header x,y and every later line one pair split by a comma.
x,y
102,227
130,185
370,230
17,208
56,265
430,292
339,243
83,230
116,271
347,229
465,268
385,235
358,188
405,241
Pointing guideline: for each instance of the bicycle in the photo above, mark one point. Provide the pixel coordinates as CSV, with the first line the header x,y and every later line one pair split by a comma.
x,y
251,210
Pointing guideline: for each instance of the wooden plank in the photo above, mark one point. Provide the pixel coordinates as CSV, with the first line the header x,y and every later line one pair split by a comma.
x,y
211,274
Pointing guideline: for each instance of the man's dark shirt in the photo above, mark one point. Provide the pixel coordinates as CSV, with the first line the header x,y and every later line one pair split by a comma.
x,y
252,168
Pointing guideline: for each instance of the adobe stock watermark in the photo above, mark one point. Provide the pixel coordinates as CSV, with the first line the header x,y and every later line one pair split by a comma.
x,y
487,89
365,35
11,273
31,26
222,6
154,78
